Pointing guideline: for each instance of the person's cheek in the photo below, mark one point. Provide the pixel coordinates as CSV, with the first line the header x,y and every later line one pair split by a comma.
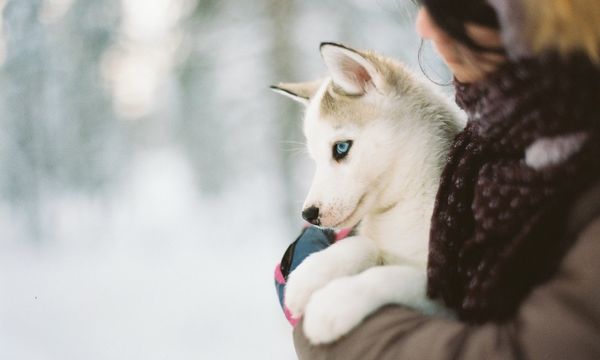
x,y
423,24
427,29
446,48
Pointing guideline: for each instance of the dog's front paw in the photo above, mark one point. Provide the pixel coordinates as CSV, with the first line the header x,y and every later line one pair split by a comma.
x,y
301,284
335,310
297,292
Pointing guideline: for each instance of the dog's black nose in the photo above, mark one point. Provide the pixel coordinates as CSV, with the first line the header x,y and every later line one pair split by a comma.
x,y
311,215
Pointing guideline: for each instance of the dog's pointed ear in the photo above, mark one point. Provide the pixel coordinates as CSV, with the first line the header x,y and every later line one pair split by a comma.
x,y
300,92
350,69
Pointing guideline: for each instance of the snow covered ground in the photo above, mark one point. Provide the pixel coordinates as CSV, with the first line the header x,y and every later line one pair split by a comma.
x,y
154,273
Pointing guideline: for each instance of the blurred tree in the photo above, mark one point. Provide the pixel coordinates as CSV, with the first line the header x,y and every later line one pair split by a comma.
x,y
59,131
200,128
283,53
22,148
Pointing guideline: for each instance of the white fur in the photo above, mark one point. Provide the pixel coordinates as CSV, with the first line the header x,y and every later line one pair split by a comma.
x,y
387,183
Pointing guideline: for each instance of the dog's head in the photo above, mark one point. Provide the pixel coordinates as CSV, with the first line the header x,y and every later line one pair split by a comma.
x,y
349,130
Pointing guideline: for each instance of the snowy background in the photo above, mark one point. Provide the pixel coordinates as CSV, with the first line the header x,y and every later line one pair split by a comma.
x,y
149,180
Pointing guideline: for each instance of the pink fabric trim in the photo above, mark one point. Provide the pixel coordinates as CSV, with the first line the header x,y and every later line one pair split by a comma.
x,y
278,275
281,280
342,234
288,315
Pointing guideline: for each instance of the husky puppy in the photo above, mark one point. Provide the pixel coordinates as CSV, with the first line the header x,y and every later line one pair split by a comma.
x,y
379,137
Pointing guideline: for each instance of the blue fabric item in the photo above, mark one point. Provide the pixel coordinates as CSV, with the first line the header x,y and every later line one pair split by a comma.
x,y
280,288
311,240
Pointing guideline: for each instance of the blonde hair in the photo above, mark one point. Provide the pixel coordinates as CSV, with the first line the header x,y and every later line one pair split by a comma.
x,y
563,25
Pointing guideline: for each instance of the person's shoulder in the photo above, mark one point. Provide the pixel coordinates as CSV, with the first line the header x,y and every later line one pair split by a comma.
x,y
585,211
583,227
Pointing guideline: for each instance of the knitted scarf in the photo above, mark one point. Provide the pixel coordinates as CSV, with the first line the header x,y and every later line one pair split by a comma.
x,y
531,145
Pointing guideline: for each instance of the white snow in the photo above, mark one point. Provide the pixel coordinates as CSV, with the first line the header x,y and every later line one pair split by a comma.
x,y
153,274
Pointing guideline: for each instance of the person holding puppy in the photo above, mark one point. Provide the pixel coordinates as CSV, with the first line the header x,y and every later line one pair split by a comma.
x,y
515,233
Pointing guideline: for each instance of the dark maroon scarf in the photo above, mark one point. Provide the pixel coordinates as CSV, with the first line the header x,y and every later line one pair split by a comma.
x,y
498,224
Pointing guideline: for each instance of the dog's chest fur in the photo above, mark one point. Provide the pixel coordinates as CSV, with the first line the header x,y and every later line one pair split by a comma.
x,y
399,232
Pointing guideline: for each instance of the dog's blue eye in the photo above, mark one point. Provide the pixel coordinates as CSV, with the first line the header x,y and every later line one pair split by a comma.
x,y
341,149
